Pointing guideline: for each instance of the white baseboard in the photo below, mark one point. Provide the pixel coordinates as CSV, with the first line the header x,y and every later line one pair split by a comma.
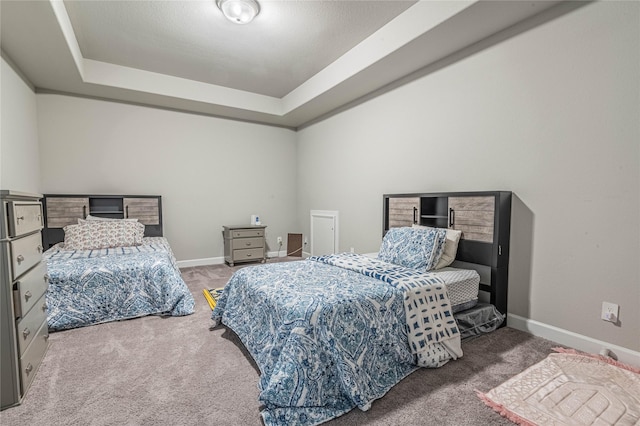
x,y
200,262
218,260
571,339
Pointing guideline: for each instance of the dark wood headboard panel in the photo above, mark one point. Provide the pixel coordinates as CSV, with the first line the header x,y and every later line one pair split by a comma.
x,y
484,219
61,210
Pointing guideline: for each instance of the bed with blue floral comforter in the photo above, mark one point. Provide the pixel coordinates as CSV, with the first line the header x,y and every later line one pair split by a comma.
x,y
95,286
335,332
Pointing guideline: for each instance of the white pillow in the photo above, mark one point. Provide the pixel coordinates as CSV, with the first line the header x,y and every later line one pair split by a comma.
x,y
450,247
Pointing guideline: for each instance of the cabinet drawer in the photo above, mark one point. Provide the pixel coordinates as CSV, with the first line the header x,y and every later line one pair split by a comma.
x,y
30,324
146,210
245,233
473,203
63,211
403,211
24,217
25,252
245,243
474,216
248,254
30,361
29,288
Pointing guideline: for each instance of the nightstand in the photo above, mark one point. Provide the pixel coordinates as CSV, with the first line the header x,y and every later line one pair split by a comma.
x,y
244,243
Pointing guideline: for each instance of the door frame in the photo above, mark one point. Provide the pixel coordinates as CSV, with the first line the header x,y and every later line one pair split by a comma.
x,y
332,214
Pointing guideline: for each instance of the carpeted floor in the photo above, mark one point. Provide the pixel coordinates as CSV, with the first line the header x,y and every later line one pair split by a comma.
x,y
175,371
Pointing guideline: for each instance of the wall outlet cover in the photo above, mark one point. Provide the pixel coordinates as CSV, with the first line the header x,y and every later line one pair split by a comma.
x,y
609,311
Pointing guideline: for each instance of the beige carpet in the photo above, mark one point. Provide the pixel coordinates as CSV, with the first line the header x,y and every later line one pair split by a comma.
x,y
570,388
175,371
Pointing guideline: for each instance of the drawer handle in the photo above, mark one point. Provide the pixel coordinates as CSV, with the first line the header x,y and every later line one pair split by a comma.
x,y
44,307
46,278
26,333
27,296
18,219
20,259
39,248
247,244
29,368
249,255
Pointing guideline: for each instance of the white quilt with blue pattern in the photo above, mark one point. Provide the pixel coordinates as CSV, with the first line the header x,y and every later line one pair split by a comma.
x,y
326,338
94,286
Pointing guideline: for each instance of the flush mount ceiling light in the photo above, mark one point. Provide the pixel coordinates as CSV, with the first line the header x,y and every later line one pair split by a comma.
x,y
239,11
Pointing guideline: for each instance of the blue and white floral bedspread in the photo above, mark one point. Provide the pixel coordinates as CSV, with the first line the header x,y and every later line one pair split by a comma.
x,y
96,286
326,338
428,312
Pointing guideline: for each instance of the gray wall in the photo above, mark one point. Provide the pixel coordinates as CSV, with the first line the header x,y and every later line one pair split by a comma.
x,y
551,114
210,172
19,157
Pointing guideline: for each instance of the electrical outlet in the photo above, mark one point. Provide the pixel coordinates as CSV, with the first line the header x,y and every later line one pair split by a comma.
x,y
279,240
610,312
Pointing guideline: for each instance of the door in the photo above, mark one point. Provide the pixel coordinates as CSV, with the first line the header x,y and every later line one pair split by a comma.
x,y
146,210
403,211
324,232
474,216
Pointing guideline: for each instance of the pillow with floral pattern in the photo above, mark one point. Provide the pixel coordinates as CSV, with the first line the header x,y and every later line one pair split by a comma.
x,y
92,235
450,246
415,248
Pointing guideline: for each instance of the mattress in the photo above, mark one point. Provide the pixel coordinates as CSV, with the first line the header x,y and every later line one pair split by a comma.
x,y
462,286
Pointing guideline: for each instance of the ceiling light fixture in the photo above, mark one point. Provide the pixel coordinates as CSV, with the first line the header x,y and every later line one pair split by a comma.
x,y
239,11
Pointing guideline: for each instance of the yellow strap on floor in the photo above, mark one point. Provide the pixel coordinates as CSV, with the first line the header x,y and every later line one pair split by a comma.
x,y
210,299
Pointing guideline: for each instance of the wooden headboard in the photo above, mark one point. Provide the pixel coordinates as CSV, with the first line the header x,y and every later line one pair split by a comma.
x,y
61,210
484,219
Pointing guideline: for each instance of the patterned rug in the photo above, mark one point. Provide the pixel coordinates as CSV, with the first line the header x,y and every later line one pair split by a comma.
x,y
212,296
570,388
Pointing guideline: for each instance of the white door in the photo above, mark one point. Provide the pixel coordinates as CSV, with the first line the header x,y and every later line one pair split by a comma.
x,y
324,232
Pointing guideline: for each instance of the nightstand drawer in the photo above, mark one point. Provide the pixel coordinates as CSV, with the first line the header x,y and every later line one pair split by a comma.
x,y
30,361
245,243
245,233
25,252
31,323
24,217
248,254
29,288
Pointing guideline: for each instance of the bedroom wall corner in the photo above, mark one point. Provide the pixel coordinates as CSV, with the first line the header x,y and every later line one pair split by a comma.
x,y
19,150
550,114
209,171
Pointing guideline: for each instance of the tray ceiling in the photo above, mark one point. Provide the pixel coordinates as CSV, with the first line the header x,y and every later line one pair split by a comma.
x,y
295,63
